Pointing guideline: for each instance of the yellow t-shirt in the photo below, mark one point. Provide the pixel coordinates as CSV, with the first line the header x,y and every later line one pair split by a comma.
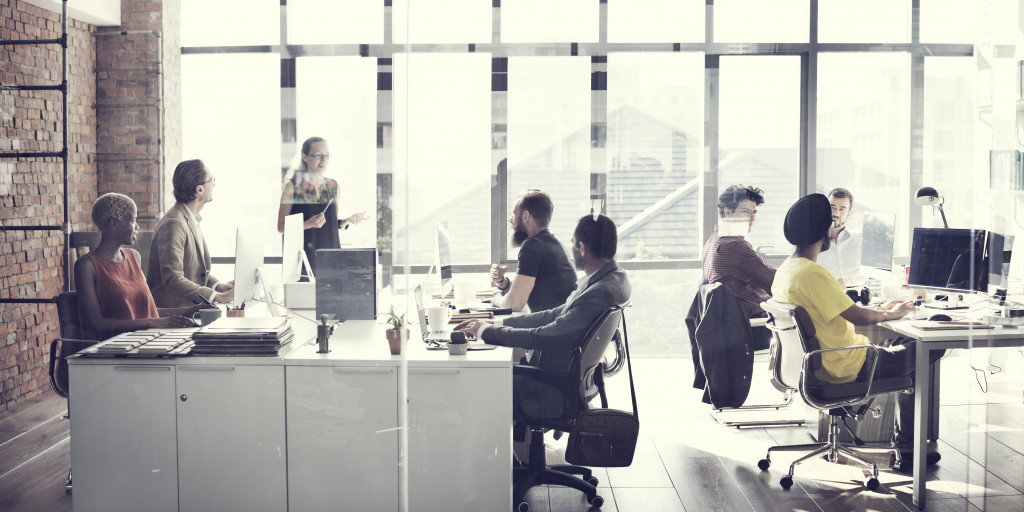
x,y
803,282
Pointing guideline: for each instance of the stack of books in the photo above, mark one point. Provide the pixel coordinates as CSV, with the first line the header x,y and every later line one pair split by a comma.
x,y
243,336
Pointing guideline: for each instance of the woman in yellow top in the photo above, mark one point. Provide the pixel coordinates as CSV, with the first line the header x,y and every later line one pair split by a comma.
x,y
802,281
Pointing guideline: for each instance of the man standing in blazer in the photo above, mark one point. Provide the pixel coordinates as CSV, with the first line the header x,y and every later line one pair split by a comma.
x,y
179,262
555,333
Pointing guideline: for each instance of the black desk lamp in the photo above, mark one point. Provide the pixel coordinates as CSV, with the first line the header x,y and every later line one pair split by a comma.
x,y
928,196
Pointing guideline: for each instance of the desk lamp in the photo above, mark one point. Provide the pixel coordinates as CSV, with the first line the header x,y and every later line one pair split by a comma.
x,y
928,196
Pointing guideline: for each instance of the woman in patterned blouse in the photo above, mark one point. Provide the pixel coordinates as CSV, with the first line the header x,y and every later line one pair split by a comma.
x,y
315,196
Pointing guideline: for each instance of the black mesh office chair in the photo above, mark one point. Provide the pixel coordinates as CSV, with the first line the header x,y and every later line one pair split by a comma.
x,y
547,399
64,346
796,356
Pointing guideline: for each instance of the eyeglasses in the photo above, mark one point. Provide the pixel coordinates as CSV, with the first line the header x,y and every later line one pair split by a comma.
x,y
213,179
320,156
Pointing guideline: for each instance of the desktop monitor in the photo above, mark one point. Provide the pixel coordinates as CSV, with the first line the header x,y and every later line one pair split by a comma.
x,y
248,258
292,255
997,258
948,259
443,249
877,234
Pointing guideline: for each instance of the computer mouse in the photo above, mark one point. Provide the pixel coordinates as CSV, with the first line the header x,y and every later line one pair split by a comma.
x,y
939,318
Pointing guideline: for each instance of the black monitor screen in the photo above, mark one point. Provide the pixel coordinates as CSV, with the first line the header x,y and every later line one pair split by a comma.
x,y
997,255
444,252
949,259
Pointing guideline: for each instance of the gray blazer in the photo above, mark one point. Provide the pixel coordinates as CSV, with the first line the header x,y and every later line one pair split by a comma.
x,y
553,334
178,268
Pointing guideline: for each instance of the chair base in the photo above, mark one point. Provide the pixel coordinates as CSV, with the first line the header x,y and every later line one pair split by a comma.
x,y
537,472
720,413
831,449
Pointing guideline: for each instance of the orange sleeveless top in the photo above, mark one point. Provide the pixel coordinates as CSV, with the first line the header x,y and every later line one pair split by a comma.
x,y
121,288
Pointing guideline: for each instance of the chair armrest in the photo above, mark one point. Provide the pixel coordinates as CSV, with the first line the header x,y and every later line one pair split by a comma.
x,y
552,378
871,358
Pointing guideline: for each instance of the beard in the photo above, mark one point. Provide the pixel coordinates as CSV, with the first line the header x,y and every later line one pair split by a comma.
x,y
519,235
577,259
826,243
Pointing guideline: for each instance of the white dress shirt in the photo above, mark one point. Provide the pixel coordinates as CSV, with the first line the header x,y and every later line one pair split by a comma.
x,y
842,259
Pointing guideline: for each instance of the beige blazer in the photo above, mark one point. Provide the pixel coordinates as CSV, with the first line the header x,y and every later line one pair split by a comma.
x,y
179,269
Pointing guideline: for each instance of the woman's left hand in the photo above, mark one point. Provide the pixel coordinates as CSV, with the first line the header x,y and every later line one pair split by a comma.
x,y
356,218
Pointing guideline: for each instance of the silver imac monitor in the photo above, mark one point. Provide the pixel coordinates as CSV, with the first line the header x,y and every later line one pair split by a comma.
x,y
877,234
248,258
443,248
292,256
998,248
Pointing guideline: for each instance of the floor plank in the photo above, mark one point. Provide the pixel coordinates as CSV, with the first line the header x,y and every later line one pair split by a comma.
x,y
660,499
39,483
703,483
32,412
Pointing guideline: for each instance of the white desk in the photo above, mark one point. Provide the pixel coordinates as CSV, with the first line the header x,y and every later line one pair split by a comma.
x,y
926,381
301,431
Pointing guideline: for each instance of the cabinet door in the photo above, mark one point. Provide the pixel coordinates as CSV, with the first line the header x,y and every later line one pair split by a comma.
x,y
231,438
460,439
123,453
342,438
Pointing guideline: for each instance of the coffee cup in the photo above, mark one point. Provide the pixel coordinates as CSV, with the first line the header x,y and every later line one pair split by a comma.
x,y
458,345
206,316
438,317
464,293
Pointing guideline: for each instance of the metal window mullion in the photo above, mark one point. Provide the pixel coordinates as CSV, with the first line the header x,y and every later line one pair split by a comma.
x,y
915,178
499,138
708,199
599,116
809,108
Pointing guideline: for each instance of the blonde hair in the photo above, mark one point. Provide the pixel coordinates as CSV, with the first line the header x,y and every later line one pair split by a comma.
x,y
111,207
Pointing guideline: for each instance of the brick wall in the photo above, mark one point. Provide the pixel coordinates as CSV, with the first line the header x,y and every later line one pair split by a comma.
x,y
137,70
31,189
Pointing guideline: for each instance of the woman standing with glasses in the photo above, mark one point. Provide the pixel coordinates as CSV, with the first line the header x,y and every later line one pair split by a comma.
x,y
315,196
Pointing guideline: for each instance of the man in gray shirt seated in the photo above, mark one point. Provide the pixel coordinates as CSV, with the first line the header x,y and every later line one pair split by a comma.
x,y
555,333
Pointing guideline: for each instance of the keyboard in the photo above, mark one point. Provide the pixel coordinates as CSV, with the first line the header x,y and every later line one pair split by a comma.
x,y
438,336
146,343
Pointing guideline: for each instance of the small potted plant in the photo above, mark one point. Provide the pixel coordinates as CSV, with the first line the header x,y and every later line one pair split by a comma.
x,y
394,333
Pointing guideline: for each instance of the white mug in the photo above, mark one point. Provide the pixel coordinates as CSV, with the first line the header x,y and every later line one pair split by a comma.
x,y
438,317
206,316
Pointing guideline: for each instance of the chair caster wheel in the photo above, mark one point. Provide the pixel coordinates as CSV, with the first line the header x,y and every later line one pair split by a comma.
x,y
596,501
593,481
786,482
871,483
523,507
764,464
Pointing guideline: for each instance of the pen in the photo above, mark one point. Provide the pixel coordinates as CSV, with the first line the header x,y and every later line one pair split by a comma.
x,y
207,301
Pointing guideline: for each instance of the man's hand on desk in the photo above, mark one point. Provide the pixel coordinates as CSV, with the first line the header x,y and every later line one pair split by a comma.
x,y
472,327
895,309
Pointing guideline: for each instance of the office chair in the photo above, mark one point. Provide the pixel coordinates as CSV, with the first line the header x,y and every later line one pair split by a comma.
x,y
548,399
65,345
797,355
722,347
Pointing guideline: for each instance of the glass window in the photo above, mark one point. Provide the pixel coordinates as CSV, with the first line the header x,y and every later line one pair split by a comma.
x,y
336,98
544,21
334,22
656,21
864,132
864,21
230,22
441,21
549,136
759,138
238,143
442,155
655,153
758,21
948,21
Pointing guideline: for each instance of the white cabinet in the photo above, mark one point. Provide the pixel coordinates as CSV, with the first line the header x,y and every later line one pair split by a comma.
x,y
123,446
460,438
342,438
231,438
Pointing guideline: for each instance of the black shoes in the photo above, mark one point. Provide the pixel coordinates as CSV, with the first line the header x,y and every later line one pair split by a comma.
x,y
906,465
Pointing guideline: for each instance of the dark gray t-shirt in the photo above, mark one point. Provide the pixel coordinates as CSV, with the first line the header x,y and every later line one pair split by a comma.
x,y
543,258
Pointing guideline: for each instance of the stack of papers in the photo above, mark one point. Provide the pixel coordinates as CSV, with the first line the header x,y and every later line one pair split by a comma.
x,y
243,336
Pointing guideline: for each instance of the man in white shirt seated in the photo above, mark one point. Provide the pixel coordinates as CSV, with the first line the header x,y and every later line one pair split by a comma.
x,y
842,259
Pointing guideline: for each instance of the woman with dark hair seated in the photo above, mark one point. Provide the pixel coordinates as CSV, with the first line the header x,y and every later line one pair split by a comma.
x,y
112,293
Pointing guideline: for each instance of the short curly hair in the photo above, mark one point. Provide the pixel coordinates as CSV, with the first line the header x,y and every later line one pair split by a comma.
x,y
735,193
112,207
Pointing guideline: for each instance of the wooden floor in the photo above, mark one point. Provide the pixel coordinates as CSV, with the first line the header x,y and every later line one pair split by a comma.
x,y
686,461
